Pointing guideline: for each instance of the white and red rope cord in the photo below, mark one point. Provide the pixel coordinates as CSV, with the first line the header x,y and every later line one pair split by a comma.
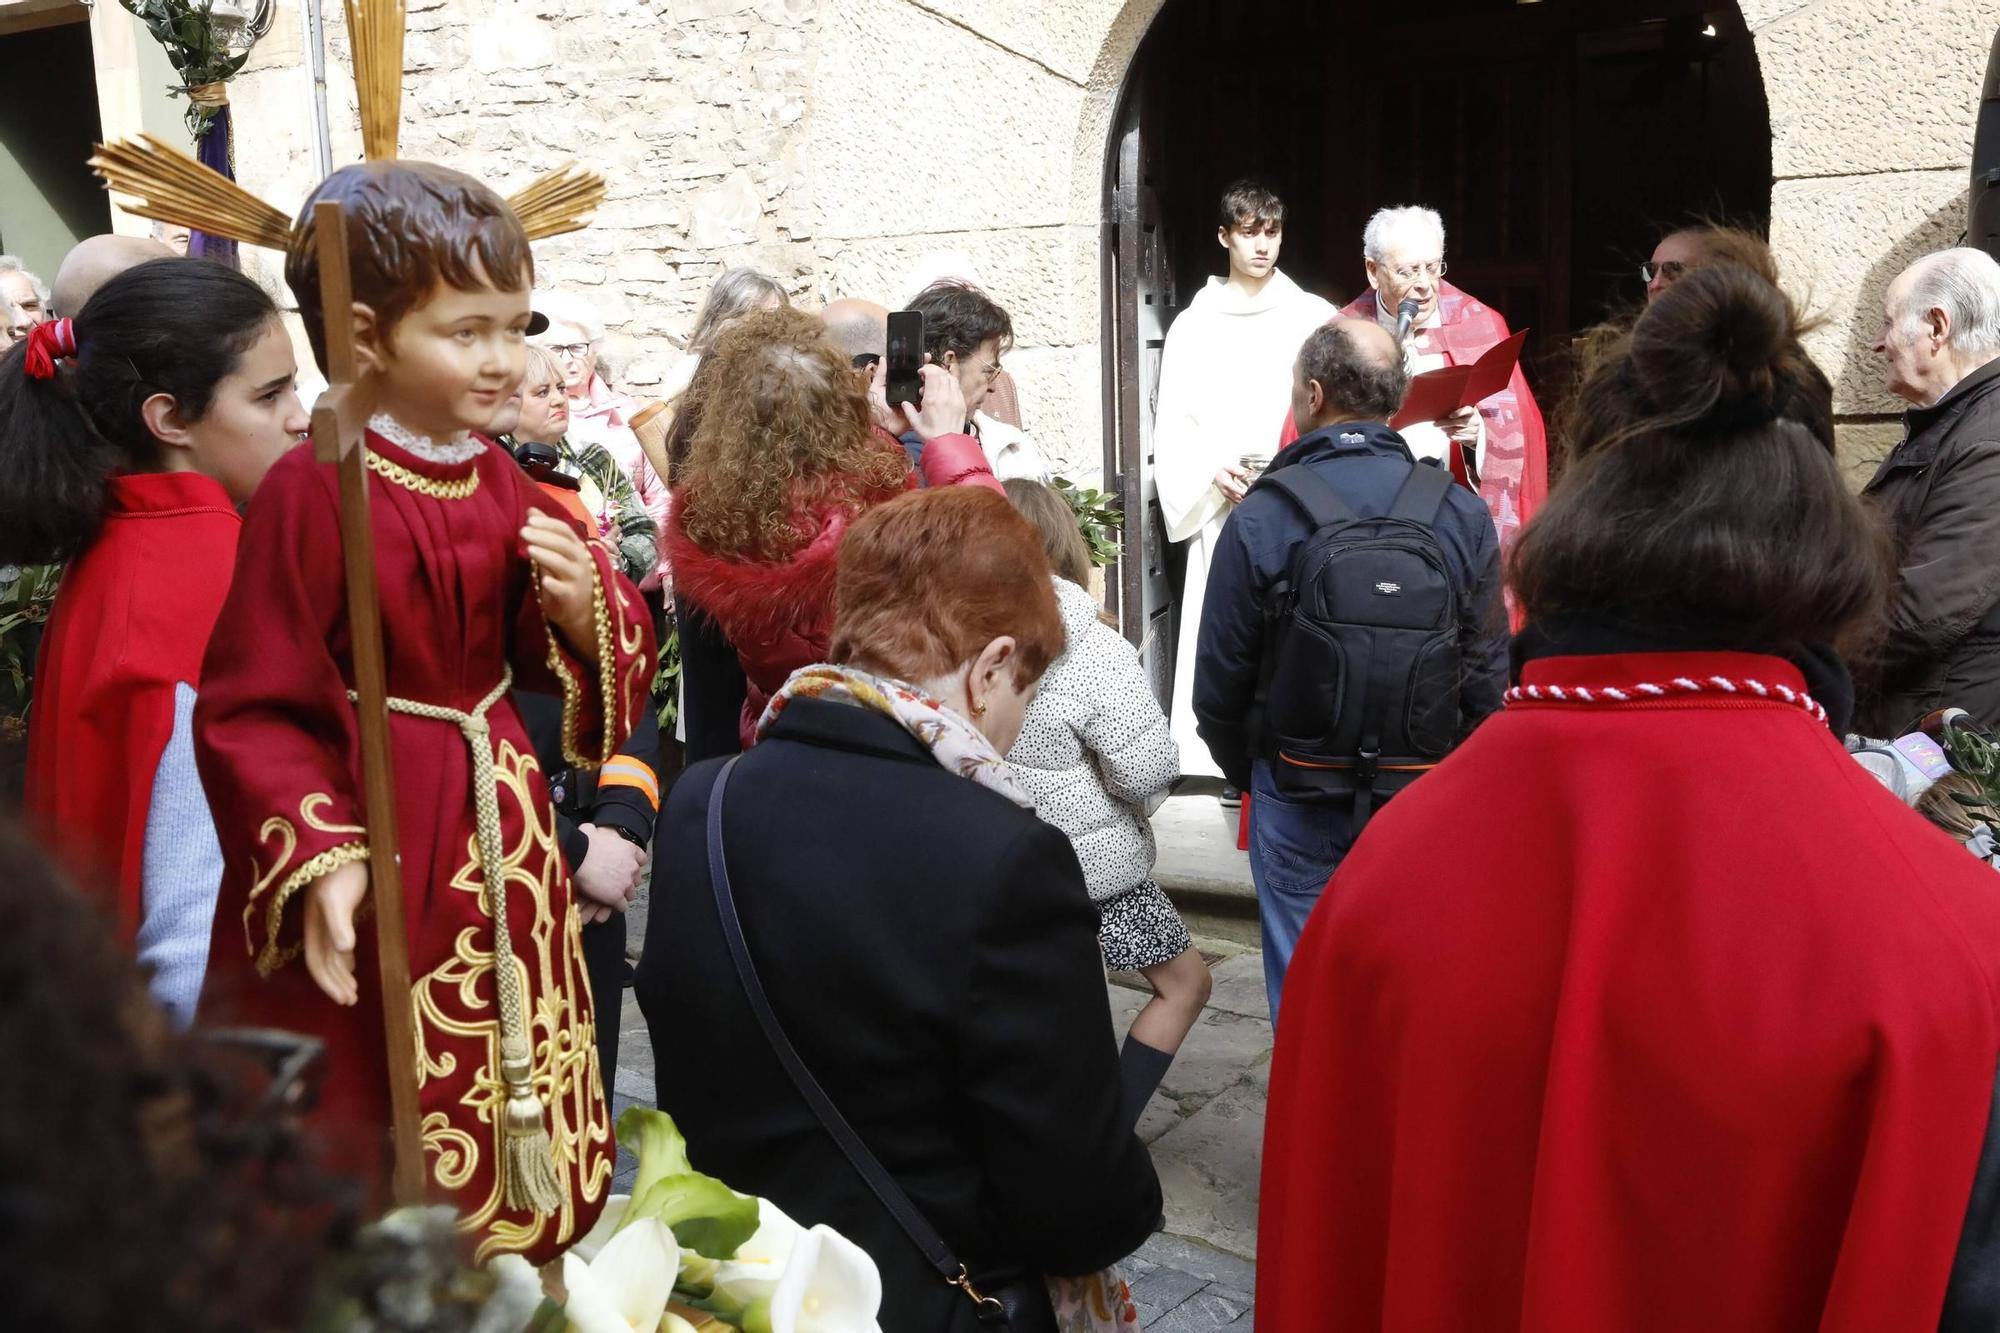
x,y
1679,685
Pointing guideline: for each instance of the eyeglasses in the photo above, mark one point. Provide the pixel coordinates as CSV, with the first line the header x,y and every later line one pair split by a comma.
x,y
570,351
1671,270
1409,272
990,368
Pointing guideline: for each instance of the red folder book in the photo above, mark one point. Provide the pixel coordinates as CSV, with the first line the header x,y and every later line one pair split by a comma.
x,y
1436,394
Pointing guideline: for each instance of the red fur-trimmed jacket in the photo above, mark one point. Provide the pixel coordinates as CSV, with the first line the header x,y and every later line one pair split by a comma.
x,y
778,614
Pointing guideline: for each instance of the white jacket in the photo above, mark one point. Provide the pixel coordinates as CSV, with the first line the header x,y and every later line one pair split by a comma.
x,y
1009,451
1095,751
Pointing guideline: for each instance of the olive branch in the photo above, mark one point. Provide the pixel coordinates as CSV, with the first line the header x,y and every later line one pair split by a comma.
x,y
185,29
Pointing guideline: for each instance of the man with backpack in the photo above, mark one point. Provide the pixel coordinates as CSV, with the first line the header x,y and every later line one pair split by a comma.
x,y
1353,631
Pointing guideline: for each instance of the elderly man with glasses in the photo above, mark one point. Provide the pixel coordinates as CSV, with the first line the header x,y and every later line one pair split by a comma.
x,y
24,301
1498,448
570,329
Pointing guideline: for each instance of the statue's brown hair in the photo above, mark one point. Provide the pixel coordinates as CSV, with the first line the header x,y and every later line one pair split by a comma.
x,y
410,226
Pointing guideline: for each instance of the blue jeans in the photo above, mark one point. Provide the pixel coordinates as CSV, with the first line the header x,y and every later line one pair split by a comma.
x,y
1295,846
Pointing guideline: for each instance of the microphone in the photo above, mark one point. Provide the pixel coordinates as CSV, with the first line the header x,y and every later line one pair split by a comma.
x,y
1406,315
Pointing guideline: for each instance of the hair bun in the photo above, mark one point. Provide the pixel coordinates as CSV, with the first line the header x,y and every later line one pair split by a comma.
x,y
1719,348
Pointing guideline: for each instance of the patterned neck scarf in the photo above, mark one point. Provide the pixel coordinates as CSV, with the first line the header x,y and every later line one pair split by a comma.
x,y
957,745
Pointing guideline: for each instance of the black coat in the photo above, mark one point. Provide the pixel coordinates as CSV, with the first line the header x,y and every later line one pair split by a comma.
x,y
932,952
580,798
1939,491
712,686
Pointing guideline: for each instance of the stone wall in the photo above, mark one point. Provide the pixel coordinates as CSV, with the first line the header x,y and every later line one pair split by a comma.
x,y
1873,107
835,142
694,110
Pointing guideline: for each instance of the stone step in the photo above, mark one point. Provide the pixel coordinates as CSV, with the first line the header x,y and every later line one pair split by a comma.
x,y
1198,864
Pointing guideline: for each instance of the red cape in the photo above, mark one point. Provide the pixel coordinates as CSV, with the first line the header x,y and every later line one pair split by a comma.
x,y
1712,1047
130,622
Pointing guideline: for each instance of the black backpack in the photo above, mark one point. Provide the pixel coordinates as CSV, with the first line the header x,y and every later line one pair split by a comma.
x,y
1359,690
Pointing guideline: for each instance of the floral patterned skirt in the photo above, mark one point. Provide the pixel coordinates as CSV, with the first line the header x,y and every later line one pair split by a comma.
x,y
1099,1303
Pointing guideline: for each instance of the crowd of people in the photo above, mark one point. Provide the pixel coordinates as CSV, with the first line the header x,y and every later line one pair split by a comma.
x,y
1616,993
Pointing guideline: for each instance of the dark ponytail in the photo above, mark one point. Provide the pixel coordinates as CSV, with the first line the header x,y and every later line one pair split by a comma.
x,y
1703,498
172,326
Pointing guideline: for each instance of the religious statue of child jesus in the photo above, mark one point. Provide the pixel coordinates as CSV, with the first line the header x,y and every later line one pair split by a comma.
x,y
485,588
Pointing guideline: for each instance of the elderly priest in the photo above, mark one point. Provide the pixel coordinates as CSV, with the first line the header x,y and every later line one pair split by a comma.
x,y
1500,448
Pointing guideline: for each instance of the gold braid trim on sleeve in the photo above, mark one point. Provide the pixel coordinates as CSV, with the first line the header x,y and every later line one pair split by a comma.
x,y
610,699
271,958
607,681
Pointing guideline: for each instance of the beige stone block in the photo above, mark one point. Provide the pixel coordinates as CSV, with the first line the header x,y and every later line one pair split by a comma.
x,y
1860,447
1029,271
1063,36
1758,13
727,213
1062,407
512,38
921,126
1859,85
1839,242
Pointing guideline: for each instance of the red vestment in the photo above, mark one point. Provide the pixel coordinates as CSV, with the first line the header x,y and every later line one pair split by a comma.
x,y
1711,1047
279,751
130,622
1514,478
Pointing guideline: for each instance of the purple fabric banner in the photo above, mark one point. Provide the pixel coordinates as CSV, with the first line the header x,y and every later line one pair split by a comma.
x,y
214,152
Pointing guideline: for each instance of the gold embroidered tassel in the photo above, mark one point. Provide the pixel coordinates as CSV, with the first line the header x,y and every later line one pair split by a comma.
x,y
527,1170
528,1174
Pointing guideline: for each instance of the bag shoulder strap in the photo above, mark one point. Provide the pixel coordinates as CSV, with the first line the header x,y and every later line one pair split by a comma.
x,y
871,1171
1422,496
1312,493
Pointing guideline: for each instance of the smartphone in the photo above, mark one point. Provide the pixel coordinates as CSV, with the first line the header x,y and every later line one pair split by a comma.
x,y
905,358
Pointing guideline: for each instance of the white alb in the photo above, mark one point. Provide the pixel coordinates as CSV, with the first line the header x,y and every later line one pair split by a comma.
x,y
1225,387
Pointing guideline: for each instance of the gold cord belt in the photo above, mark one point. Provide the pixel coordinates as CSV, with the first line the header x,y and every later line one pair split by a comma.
x,y
528,1174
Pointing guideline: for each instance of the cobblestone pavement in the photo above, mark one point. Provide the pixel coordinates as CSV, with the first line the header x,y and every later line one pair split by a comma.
x,y
1206,1130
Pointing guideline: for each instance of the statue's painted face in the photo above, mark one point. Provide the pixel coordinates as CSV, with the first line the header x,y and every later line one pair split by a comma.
x,y
451,363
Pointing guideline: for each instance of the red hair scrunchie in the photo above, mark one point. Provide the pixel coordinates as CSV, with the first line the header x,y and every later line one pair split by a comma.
x,y
48,343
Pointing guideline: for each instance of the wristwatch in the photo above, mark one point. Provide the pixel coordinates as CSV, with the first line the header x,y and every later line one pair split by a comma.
x,y
626,834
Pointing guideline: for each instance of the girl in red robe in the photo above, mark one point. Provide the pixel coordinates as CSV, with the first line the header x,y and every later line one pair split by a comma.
x,y
1712,1045
132,433
484,588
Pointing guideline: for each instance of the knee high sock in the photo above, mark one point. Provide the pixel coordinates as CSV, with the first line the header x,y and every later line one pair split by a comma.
x,y
1140,1069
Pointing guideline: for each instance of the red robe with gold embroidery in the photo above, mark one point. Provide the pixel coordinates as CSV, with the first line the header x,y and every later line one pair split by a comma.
x,y
279,750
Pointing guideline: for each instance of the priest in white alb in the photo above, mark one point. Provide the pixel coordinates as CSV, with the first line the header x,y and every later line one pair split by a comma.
x,y
1225,387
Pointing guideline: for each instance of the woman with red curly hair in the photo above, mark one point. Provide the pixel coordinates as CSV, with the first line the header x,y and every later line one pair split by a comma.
x,y
925,942
791,448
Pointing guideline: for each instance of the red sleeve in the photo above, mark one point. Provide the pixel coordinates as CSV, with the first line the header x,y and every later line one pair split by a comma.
x,y
602,700
275,736
957,460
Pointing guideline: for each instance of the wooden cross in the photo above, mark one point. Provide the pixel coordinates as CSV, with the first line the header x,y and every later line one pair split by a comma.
x,y
338,421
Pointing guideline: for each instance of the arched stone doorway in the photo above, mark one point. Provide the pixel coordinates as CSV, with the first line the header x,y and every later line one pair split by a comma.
x,y
1555,136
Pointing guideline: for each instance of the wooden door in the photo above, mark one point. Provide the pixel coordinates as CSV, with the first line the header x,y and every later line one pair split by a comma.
x,y
1491,153
1139,282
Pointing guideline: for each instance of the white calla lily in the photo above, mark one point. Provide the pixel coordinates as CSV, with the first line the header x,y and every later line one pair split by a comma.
x,y
627,1285
673,1323
608,1222
774,1238
830,1285
753,1274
